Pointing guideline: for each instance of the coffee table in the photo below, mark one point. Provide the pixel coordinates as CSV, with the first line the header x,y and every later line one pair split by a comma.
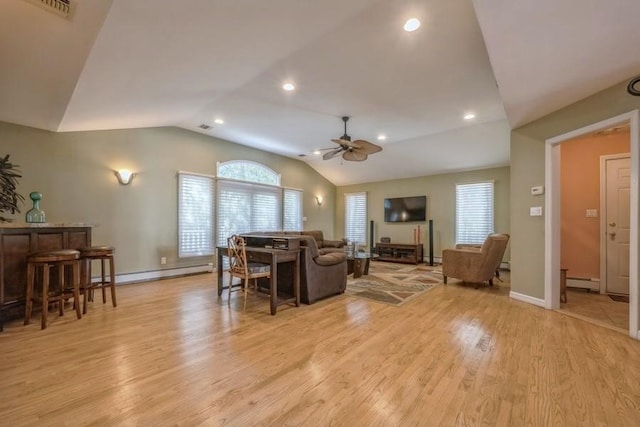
x,y
358,264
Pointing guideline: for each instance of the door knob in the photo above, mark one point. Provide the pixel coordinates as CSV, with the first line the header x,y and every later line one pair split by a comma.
x,y
612,234
612,224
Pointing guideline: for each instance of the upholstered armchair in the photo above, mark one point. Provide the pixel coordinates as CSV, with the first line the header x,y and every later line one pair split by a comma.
x,y
473,264
321,275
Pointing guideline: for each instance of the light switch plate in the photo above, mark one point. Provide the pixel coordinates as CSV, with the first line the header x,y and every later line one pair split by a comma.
x,y
592,213
537,191
535,211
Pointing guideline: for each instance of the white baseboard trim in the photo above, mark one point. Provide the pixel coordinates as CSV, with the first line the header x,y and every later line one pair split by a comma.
x,y
145,276
528,299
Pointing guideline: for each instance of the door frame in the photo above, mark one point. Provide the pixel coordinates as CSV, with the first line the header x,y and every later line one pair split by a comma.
x,y
552,214
603,219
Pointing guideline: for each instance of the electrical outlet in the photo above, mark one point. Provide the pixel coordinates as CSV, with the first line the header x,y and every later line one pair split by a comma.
x,y
163,260
535,211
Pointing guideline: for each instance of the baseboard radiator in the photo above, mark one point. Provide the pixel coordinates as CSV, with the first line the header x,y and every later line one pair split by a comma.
x,y
584,283
167,273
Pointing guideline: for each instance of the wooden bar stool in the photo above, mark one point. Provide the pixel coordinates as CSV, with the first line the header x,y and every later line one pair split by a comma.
x,y
47,260
104,254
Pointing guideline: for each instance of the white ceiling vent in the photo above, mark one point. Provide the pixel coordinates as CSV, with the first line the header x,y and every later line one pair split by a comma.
x,y
62,8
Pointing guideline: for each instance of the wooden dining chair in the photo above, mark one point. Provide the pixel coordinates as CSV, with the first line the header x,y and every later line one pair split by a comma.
x,y
241,268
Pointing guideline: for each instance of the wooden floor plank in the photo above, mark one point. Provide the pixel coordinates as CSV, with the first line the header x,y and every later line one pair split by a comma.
x,y
173,353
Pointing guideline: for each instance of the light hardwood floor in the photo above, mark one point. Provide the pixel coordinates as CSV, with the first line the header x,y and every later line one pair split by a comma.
x,y
173,353
598,309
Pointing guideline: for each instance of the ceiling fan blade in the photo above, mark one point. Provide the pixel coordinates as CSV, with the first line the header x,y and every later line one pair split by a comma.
x,y
354,156
331,154
366,147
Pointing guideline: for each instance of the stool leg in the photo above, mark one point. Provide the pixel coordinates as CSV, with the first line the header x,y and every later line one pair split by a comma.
x,y
61,285
76,287
104,292
84,278
29,305
112,273
45,296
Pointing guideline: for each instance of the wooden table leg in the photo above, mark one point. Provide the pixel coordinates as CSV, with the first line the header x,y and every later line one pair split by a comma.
x,y
563,285
273,288
296,280
219,268
366,266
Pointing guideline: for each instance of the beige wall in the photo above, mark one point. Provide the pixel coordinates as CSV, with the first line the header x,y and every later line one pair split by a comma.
x,y
580,190
440,192
528,170
74,173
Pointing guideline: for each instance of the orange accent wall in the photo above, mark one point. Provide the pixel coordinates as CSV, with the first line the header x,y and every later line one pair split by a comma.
x,y
580,186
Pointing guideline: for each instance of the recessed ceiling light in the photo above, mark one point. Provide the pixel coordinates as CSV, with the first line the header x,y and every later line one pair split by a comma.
x,y
218,121
469,116
382,137
317,152
288,87
412,24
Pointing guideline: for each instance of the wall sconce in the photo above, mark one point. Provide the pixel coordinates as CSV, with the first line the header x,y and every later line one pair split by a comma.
x,y
124,176
319,200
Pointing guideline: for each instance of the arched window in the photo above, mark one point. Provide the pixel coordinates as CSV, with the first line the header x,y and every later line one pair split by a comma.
x,y
245,170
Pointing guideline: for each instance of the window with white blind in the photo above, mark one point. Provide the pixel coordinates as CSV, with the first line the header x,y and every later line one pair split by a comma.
x,y
474,212
195,215
292,220
246,206
355,217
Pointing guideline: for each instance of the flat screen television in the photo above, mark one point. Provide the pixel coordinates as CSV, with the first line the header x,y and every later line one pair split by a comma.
x,y
405,209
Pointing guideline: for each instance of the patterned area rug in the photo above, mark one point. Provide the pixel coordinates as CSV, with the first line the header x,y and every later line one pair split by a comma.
x,y
394,284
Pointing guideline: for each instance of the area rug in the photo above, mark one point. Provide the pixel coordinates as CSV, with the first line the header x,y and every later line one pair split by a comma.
x,y
394,284
620,298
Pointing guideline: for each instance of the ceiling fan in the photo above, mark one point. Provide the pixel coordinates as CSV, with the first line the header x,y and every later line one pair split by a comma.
x,y
356,151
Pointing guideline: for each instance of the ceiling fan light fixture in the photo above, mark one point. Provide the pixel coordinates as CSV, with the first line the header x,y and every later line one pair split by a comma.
x,y
469,116
412,24
218,121
382,137
288,86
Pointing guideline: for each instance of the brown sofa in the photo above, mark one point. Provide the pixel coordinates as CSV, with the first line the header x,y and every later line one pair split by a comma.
x,y
325,245
471,264
323,267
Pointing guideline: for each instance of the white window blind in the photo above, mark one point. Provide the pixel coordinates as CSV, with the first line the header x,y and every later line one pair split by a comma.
x,y
195,215
292,220
244,207
355,217
474,212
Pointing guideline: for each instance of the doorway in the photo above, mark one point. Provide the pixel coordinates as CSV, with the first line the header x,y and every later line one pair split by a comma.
x,y
553,219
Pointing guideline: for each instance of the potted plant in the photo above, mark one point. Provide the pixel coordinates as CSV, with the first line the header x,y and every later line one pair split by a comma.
x,y
9,197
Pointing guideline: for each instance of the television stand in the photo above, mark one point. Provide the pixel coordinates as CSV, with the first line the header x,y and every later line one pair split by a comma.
x,y
399,252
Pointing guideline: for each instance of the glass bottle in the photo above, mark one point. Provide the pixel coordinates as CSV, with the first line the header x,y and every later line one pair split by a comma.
x,y
35,214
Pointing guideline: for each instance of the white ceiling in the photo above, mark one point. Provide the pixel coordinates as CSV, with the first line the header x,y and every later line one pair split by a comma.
x,y
139,63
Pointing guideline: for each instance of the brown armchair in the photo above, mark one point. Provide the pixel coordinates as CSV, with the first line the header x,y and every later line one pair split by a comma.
x,y
475,265
321,275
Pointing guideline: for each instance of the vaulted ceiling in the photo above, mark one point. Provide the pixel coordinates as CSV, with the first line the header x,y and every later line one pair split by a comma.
x,y
137,63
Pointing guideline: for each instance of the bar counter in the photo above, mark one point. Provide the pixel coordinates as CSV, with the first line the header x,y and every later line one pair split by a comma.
x,y
17,240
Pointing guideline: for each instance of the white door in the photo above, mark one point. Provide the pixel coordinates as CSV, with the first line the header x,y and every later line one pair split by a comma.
x,y
617,202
